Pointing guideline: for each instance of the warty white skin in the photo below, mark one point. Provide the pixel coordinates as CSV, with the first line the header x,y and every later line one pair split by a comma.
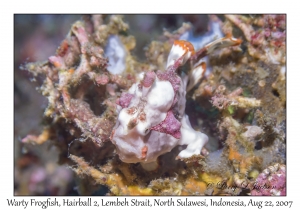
x,y
158,100
129,142
136,142
132,135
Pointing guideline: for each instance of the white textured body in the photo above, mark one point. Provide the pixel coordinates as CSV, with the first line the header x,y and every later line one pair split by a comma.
x,y
155,102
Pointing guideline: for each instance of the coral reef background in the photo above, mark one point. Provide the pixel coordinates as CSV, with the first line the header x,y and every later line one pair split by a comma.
x,y
36,38
240,105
